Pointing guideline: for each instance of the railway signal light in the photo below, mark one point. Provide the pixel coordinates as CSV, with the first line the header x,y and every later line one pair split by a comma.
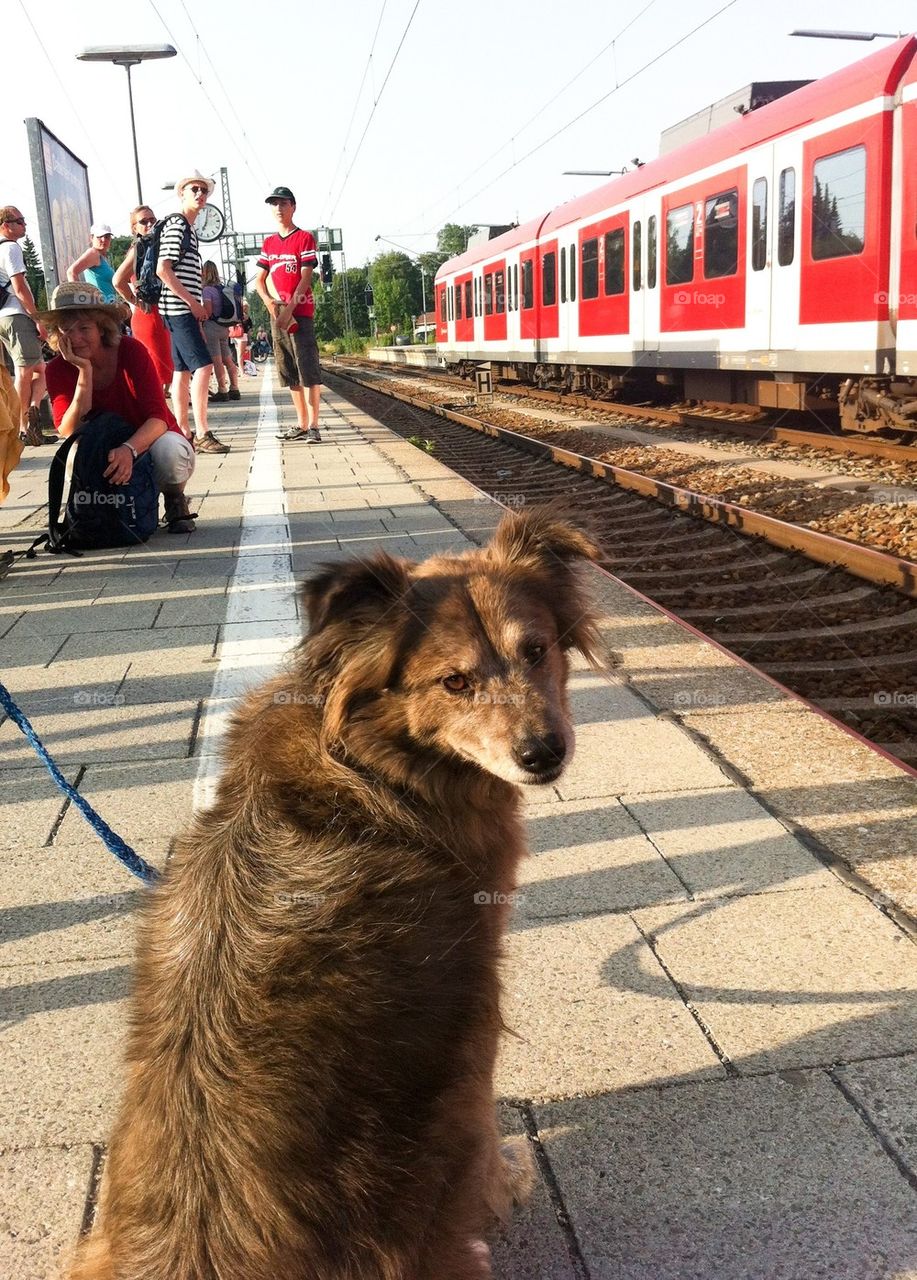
x,y
326,269
368,296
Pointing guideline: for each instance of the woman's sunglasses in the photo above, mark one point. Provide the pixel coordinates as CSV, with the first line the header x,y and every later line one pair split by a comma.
x,y
201,191
146,222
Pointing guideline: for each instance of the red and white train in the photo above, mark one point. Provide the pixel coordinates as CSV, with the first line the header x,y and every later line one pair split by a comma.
x,y
771,262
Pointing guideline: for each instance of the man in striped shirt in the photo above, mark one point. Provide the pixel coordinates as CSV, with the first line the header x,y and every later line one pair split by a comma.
x,y
179,269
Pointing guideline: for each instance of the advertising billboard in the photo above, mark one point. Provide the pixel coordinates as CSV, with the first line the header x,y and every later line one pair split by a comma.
x,y
61,183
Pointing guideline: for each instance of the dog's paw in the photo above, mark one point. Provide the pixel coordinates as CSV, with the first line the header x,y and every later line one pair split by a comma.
x,y
519,1167
479,1260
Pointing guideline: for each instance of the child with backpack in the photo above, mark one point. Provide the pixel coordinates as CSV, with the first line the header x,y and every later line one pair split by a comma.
x,y
223,304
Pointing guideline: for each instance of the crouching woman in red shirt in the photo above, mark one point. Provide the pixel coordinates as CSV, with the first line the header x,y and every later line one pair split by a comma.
x,y
99,369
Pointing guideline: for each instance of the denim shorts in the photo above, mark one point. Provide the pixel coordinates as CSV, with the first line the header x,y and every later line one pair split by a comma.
x,y
189,350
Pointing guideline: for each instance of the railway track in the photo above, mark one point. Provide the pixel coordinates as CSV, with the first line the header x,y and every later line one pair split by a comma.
x,y
833,622
757,426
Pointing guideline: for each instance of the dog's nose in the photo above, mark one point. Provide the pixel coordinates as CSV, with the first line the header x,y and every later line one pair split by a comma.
x,y
536,755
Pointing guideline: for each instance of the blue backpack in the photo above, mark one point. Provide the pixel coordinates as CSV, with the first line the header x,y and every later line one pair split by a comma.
x,y
86,511
149,286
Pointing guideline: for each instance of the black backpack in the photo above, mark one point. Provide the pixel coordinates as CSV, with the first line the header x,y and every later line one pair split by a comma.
x,y
85,511
230,305
149,286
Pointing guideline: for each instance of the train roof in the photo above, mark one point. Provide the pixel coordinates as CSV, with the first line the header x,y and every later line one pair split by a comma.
x,y
875,76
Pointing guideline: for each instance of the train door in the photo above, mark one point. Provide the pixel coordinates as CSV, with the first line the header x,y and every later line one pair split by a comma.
x,y
758,284
785,239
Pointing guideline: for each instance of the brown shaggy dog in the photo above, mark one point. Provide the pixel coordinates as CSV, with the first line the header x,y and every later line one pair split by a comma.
x,y
316,1005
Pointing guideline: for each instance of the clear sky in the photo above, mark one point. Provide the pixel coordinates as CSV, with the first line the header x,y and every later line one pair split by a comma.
x,y
392,117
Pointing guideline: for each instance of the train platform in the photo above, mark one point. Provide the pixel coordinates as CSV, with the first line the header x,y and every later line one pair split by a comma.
x,y
711,978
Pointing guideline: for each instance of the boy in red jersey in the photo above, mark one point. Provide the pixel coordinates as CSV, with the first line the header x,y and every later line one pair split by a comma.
x,y
284,282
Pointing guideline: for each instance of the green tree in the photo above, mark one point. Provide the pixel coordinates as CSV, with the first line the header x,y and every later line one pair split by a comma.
x,y
258,311
120,246
452,239
34,273
396,287
329,305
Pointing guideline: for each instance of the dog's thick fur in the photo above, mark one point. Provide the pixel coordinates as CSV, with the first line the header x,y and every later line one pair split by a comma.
x,y
316,1005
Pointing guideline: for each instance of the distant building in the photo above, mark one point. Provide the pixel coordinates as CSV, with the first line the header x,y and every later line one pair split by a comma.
x,y
424,326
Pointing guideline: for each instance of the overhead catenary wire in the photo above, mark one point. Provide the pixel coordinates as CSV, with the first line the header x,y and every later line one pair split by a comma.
x,y
542,109
356,103
210,101
375,105
586,111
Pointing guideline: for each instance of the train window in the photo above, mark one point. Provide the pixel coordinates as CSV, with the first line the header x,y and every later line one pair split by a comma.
x,y
679,241
516,287
573,273
590,286
786,227
549,279
563,274
651,252
488,294
499,292
468,302
442,305
721,234
458,302
614,261
477,297
637,257
451,302
759,224
839,204
528,294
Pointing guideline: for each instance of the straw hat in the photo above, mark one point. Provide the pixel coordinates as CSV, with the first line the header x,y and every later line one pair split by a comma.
x,y
74,297
196,176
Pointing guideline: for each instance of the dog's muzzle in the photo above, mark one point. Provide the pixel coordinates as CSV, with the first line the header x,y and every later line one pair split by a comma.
x,y
541,756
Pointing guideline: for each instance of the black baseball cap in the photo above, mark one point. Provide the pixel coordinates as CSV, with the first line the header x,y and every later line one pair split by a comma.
x,y
280,193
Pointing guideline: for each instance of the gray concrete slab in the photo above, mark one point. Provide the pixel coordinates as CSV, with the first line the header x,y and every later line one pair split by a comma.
x,y
33,803
791,979
53,1180
148,800
885,1090
94,734
722,842
589,1008
770,1179
589,858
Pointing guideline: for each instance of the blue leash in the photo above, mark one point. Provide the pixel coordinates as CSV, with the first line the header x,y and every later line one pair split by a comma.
x,y
123,852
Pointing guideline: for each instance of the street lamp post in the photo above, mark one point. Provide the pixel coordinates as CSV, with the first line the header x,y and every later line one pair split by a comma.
x,y
128,56
849,35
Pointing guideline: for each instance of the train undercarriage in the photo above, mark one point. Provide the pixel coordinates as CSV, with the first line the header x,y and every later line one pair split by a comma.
x,y
875,405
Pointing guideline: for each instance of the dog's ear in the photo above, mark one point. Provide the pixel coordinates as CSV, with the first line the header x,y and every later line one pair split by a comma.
x,y
541,536
540,542
355,590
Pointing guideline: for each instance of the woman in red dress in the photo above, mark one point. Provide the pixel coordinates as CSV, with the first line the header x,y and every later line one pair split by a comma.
x,y
146,322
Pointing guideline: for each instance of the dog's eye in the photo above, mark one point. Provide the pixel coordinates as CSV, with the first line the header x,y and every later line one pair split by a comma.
x,y
456,683
534,653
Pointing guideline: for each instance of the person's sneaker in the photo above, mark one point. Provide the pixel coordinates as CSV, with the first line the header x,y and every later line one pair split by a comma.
x,y
234,394
313,436
293,433
178,515
33,434
217,397
209,444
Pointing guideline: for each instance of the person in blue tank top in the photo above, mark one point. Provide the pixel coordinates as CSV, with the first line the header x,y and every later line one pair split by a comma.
x,y
94,265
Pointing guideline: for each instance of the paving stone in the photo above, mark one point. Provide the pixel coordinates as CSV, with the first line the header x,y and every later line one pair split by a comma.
x,y
792,979
765,1179
104,734
887,1090
43,1192
589,1009
32,802
723,842
590,857
60,1021
148,800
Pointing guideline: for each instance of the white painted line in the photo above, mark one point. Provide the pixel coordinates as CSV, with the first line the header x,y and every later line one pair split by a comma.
x,y
261,619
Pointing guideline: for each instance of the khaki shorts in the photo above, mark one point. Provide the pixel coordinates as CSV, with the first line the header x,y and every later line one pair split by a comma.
x,y
19,334
296,355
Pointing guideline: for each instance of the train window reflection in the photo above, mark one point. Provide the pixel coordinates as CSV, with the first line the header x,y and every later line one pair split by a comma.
x,y
839,204
500,292
458,302
468,303
614,261
573,273
549,279
637,256
563,274
786,227
679,245
488,295
759,224
590,283
721,234
651,252
528,297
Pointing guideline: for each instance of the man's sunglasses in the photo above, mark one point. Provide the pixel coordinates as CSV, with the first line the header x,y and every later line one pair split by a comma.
x,y
201,191
12,221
